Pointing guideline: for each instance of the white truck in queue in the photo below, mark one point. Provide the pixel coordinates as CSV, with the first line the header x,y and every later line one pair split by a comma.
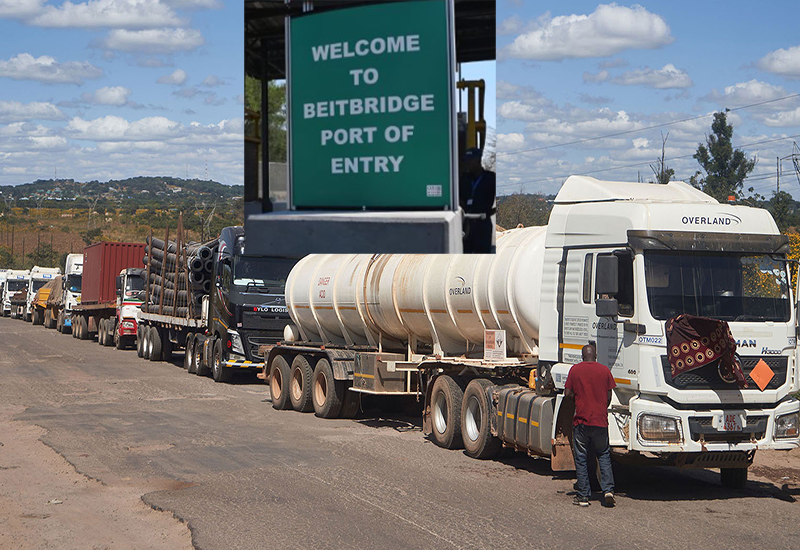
x,y
73,271
39,276
16,281
488,341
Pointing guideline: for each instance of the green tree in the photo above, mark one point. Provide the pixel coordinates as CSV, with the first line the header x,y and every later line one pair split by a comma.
x,y
779,206
276,115
43,255
725,167
92,235
528,210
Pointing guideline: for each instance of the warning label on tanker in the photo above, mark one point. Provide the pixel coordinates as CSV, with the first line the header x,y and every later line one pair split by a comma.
x,y
576,327
370,107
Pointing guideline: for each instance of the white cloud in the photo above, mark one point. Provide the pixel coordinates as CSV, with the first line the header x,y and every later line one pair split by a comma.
x,y
640,143
782,119
47,70
108,13
510,142
195,4
176,77
510,25
108,95
114,128
154,41
212,80
664,78
19,9
746,93
785,62
15,111
607,31
601,76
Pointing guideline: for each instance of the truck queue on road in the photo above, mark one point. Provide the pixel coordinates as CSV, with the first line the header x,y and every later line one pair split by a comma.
x,y
486,342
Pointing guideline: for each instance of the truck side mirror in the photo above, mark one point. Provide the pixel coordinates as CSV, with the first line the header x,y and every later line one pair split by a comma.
x,y
607,277
606,307
119,283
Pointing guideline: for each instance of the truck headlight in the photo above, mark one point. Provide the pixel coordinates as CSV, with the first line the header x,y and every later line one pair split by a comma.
x,y
658,428
236,343
127,324
786,426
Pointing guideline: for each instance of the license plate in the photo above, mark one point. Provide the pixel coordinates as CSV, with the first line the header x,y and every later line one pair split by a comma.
x,y
730,422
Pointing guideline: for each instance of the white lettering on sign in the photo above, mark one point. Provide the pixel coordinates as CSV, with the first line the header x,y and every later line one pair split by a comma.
x,y
365,165
349,136
368,106
362,48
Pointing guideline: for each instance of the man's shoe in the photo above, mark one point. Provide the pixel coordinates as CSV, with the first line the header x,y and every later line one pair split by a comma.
x,y
610,500
580,501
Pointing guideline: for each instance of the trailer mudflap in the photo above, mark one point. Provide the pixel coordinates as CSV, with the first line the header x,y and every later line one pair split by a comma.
x,y
562,459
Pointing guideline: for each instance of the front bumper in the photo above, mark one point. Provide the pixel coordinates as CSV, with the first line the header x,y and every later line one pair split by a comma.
x,y
699,434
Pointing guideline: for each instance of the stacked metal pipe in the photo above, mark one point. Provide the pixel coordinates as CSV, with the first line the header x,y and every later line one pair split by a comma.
x,y
178,277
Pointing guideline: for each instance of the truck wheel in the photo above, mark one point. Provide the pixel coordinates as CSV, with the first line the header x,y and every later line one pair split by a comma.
x,y
155,344
446,399
201,366
140,341
188,356
84,328
60,322
475,421
219,371
327,393
146,342
733,478
279,383
101,332
119,341
301,375
110,332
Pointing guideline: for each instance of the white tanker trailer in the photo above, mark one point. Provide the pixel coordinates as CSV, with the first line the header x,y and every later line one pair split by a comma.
x,y
487,341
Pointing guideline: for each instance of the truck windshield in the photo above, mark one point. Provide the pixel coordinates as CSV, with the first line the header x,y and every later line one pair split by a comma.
x,y
38,284
260,273
725,286
74,283
134,283
16,285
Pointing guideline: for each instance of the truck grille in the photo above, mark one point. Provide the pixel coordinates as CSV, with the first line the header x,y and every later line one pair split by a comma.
x,y
252,340
707,377
756,429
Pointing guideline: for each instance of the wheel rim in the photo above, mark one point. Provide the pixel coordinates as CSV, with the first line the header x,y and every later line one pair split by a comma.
x,y
150,343
197,356
297,384
473,418
320,390
440,413
276,385
189,355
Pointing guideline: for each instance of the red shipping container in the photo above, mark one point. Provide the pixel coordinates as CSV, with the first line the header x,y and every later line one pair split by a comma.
x,y
102,262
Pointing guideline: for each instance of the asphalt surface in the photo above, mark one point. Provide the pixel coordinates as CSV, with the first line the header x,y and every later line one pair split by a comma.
x,y
243,475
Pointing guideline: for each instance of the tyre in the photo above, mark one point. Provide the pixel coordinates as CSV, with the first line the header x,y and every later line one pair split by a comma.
x,y
733,478
327,393
121,342
35,317
301,375
476,430
60,322
188,356
83,328
446,399
101,332
140,341
279,377
201,366
155,344
219,371
146,342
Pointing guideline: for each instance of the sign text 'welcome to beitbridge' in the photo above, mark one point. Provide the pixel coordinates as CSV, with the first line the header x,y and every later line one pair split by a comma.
x,y
370,107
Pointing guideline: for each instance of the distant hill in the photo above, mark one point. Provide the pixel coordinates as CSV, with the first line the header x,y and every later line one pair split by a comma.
x,y
141,190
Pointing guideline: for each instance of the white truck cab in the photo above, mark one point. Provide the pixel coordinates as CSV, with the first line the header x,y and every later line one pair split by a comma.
x,y
16,280
623,258
39,276
73,271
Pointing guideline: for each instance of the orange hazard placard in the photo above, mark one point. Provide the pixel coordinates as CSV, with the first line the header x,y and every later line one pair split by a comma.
x,y
761,374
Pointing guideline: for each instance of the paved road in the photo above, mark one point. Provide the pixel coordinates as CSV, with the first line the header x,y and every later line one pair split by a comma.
x,y
243,475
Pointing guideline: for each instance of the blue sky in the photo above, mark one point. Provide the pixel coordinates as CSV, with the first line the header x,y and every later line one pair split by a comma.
x,y
105,89
578,70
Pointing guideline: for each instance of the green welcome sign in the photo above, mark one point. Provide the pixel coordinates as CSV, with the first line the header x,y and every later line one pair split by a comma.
x,y
370,107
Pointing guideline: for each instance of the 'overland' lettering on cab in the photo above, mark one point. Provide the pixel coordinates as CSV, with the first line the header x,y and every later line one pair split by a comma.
x,y
721,219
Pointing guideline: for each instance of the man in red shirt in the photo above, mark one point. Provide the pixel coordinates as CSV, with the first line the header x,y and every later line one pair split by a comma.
x,y
589,383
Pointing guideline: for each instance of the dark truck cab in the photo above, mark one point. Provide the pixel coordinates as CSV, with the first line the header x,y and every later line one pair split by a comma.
x,y
247,308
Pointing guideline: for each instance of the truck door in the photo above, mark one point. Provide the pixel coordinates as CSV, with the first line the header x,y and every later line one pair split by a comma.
x,y
615,344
